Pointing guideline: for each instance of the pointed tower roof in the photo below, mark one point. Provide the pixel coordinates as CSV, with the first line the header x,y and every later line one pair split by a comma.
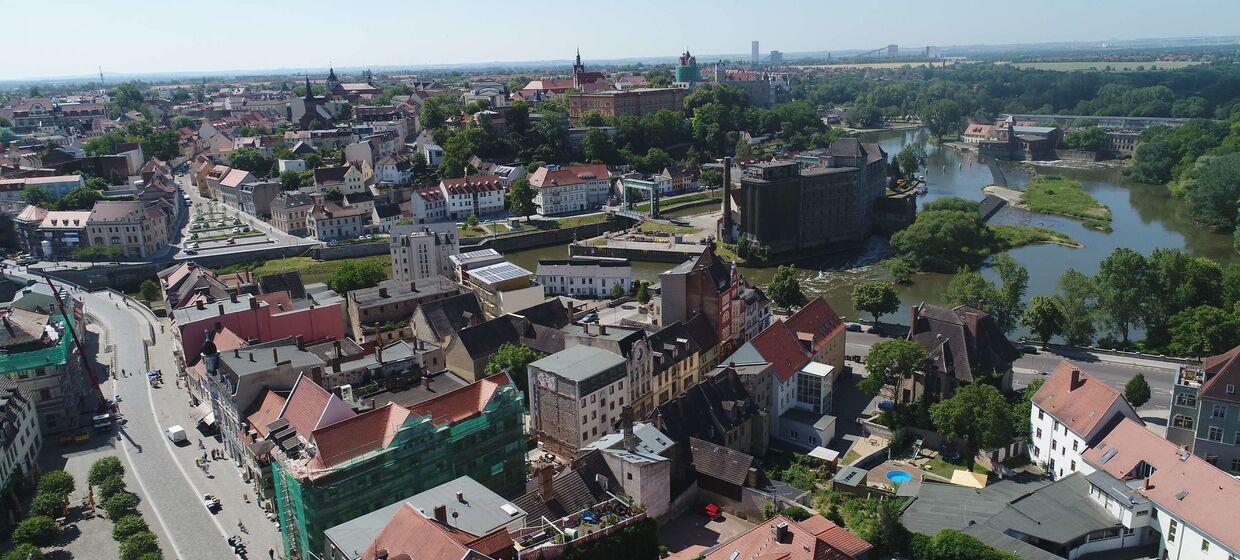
x,y
309,92
331,74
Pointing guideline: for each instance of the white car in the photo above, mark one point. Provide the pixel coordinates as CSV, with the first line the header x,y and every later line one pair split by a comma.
x,y
177,434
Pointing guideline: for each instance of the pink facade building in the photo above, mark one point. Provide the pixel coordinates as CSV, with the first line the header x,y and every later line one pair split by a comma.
x,y
258,319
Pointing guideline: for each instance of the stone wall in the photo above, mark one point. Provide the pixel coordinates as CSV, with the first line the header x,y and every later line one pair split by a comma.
x,y
1078,155
543,238
350,250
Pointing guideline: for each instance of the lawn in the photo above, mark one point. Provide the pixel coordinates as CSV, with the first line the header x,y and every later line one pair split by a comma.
x,y
570,222
1011,237
466,231
652,227
1050,194
1104,65
671,203
310,269
944,469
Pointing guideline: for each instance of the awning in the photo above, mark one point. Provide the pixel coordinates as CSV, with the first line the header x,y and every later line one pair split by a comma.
x,y
828,455
202,411
209,419
966,478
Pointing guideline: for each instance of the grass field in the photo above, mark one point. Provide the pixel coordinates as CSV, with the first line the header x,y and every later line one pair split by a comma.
x,y
652,227
1050,194
310,269
876,65
1011,237
1104,65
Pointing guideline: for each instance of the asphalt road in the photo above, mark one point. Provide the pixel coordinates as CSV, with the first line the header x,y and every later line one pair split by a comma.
x,y
1114,370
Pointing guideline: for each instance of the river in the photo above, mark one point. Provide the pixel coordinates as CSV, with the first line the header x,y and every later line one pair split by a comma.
x,y
1145,217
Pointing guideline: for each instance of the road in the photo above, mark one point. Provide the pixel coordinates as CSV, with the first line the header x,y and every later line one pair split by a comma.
x,y
167,479
1114,370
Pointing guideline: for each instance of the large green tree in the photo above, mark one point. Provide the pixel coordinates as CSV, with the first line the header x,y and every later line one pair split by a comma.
x,y
1043,317
1175,281
353,275
943,117
521,198
890,361
977,414
785,288
1137,391
1077,298
1013,282
513,359
1120,283
1212,199
876,297
1203,331
944,240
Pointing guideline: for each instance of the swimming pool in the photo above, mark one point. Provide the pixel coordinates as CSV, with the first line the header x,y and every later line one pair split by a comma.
x,y
899,477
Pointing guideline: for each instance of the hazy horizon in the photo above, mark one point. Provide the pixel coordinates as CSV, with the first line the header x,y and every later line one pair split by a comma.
x,y
229,36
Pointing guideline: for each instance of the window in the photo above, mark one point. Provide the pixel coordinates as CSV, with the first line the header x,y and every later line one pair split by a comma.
x,y
1073,465
1182,421
1074,443
629,475
1035,452
1171,531
1235,465
1219,411
1039,433
1040,414
1205,545
1054,445
1212,459
1215,434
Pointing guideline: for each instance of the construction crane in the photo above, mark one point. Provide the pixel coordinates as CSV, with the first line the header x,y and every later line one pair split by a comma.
x,y
94,381
866,53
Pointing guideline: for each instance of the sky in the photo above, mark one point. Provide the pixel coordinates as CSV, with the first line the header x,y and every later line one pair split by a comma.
x,y
76,37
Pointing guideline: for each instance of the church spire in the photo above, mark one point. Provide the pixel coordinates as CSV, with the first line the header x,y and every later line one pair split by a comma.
x,y
309,93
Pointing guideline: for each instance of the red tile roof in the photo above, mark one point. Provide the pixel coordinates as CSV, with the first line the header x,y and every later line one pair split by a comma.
x,y
1223,370
818,319
431,194
305,406
1182,483
463,403
268,411
815,538
358,435
412,534
779,346
1080,408
473,184
564,176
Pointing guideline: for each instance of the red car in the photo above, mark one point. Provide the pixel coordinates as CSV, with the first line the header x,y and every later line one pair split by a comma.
x,y
712,512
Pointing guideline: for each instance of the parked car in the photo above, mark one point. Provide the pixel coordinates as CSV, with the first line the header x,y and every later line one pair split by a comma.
x,y
853,327
1028,349
176,434
886,405
27,260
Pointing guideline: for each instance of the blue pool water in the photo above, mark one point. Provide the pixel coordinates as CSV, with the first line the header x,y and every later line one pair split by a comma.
x,y
899,477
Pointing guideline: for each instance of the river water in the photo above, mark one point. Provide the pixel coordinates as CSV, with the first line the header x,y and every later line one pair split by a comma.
x,y
1145,217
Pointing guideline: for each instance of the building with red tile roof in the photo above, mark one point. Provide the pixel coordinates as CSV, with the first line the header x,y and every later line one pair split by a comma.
x,y
478,195
1070,412
781,538
409,534
330,470
575,188
1205,410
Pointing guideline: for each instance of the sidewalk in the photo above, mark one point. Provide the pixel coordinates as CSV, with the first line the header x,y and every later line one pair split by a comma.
x,y
223,478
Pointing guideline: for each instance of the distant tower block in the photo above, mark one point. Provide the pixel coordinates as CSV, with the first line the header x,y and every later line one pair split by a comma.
x,y
893,51
754,53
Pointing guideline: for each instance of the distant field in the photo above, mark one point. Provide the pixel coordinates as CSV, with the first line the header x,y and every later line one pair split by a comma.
x,y
1102,65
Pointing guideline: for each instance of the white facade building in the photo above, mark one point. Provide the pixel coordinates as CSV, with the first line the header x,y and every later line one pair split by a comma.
x,y
577,188
592,277
421,251
1069,413
576,396
478,195
20,433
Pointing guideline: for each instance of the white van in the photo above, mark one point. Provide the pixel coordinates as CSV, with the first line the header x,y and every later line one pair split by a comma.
x,y
177,434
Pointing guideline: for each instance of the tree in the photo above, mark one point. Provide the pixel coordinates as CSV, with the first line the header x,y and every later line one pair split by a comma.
x,y
1152,161
39,530
951,544
80,198
592,118
471,221
23,551
128,526
333,194
1121,288
643,294
313,161
1013,281
1203,331
163,144
876,297
290,180
969,288
864,115
889,362
943,241
1021,411
617,291
910,159
250,159
978,414
1089,138
120,505
513,359
149,290
1044,318
901,271
1077,302
182,121
1213,197
38,196
785,288
1137,391
598,146
138,545
56,482
126,97
105,468
942,117
1175,281
50,504
353,275
109,487
711,178
434,114
521,198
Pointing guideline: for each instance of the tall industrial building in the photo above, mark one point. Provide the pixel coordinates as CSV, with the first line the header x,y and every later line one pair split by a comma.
x,y
754,55
893,50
